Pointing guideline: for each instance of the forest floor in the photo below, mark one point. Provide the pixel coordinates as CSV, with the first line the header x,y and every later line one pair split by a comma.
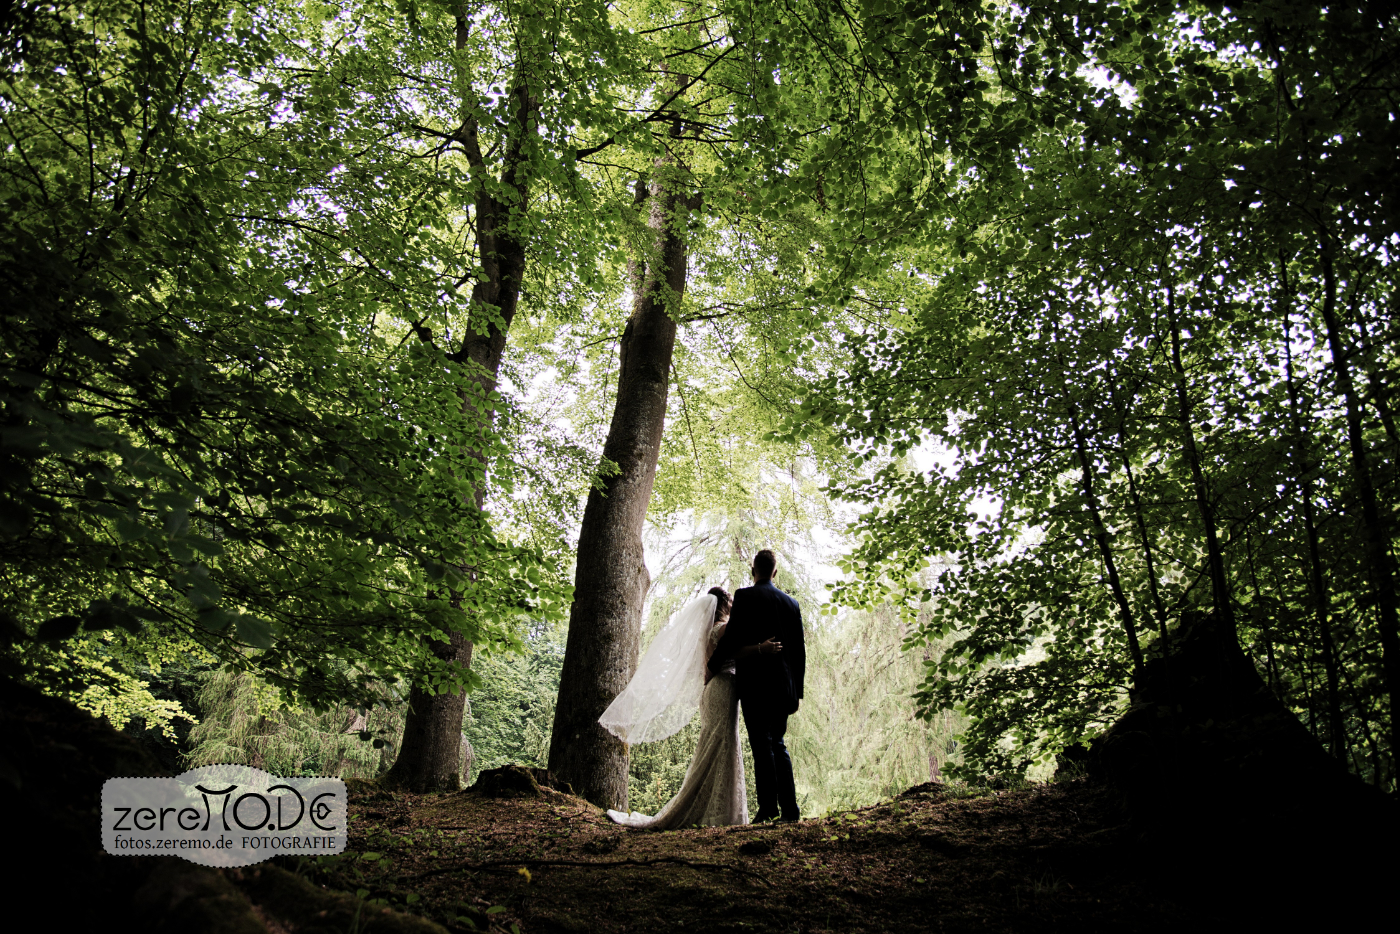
x,y
1212,852
937,858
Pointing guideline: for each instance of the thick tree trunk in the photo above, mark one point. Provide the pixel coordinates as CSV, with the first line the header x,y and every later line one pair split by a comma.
x,y
1373,525
430,757
611,579
430,752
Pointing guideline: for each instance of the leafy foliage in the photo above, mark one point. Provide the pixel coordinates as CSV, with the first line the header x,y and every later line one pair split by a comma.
x,y
1125,369
1086,310
242,722
512,712
219,426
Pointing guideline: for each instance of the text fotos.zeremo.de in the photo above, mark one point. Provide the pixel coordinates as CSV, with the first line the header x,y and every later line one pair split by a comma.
x,y
224,815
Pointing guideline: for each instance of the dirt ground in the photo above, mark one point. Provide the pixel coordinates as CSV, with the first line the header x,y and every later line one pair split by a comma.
x,y
1224,850
938,858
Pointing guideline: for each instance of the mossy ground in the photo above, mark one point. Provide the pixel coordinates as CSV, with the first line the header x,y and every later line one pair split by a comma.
x,y
1045,857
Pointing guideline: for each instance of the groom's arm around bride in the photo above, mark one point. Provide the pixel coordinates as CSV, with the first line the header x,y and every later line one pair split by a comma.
x,y
764,639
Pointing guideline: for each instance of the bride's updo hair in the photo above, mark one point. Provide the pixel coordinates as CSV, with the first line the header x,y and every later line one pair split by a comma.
x,y
722,602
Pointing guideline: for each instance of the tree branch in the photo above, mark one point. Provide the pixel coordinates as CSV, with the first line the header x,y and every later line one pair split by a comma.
x,y
660,112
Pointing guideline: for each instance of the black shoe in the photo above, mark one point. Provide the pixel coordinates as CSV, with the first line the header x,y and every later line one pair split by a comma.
x,y
790,818
763,817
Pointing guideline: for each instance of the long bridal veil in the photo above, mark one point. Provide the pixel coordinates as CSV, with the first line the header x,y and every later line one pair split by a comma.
x,y
665,692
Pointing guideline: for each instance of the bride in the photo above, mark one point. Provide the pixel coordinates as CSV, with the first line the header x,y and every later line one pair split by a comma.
x,y
662,697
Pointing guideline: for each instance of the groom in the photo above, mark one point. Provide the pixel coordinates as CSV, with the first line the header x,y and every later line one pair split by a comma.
x,y
764,638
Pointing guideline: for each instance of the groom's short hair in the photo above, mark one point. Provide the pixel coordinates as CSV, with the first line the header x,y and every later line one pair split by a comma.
x,y
764,564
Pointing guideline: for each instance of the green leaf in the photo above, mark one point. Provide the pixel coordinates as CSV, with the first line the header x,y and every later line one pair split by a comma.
x,y
130,530
201,590
205,546
254,631
214,619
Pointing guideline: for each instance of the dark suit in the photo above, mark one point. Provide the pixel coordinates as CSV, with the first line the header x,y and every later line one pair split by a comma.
x,y
769,686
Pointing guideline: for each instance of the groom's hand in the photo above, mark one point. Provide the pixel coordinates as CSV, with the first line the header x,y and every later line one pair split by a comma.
x,y
770,647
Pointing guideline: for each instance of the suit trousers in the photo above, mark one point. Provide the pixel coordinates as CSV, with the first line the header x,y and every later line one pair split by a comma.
x,y
772,766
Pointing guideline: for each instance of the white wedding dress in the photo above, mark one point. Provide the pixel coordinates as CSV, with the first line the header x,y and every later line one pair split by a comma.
x,y
712,794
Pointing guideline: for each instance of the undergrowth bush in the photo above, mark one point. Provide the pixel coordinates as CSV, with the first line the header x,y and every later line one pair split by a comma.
x,y
243,723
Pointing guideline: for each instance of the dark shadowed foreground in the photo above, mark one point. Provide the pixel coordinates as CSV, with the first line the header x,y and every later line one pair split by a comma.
x,y
513,855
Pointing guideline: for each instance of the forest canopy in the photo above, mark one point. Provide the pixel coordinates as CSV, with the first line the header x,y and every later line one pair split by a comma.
x,y
1063,321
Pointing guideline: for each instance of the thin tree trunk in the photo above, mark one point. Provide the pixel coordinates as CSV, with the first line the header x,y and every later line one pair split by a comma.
x,y
1101,536
430,753
611,579
1258,601
1336,734
1367,737
1151,564
1374,382
1220,587
1376,540
1308,693
1140,519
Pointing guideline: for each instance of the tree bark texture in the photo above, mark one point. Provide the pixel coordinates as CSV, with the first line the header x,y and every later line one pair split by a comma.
x,y
430,757
430,751
611,579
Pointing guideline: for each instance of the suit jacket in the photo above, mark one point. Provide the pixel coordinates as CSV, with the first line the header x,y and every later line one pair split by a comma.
x,y
763,612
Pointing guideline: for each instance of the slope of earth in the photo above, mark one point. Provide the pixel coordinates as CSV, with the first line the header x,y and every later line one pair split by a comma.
x,y
937,858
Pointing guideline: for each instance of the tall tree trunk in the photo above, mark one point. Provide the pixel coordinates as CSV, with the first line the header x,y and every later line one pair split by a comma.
x,y
1101,535
611,579
1220,585
1373,526
1336,734
430,754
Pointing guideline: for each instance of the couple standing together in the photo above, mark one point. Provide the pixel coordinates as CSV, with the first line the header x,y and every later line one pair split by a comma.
x,y
718,657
